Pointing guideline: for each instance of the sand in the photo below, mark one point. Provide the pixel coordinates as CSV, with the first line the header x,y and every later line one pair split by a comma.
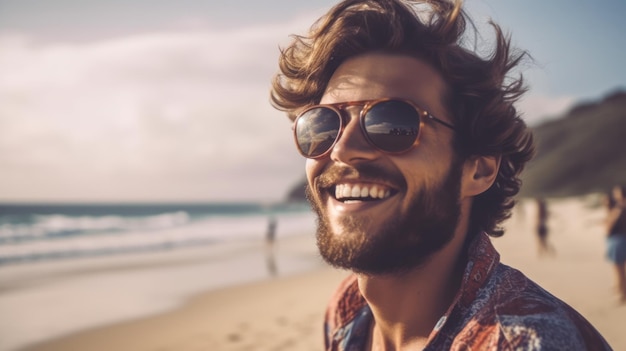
x,y
286,312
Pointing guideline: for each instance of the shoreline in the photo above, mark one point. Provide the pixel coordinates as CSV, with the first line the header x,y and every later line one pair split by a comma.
x,y
286,312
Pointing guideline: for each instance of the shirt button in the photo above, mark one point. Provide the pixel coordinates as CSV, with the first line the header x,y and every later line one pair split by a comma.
x,y
477,277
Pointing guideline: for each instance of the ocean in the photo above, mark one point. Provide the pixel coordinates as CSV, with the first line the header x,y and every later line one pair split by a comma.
x,y
41,232
71,267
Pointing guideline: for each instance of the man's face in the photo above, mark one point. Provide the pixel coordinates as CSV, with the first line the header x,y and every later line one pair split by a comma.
x,y
416,207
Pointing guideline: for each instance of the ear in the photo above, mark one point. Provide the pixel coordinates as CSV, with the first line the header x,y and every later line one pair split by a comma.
x,y
479,173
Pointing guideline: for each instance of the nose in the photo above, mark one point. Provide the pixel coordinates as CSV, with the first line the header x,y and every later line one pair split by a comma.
x,y
352,145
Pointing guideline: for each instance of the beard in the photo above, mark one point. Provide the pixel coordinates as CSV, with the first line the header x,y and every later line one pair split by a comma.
x,y
403,242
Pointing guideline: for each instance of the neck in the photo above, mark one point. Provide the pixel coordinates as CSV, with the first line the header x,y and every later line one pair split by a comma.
x,y
406,307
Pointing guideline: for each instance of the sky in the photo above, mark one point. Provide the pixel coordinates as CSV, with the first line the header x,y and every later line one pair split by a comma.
x,y
168,101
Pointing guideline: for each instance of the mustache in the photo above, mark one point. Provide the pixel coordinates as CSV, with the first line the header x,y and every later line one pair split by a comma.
x,y
364,172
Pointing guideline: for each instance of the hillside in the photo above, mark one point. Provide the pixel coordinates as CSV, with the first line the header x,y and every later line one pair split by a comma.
x,y
584,151
581,152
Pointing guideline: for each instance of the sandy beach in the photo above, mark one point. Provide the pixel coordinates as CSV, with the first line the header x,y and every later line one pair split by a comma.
x,y
285,311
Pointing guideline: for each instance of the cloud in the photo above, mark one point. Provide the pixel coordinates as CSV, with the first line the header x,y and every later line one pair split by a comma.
x,y
177,111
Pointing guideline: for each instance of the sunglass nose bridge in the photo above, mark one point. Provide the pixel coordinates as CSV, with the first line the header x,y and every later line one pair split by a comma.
x,y
350,111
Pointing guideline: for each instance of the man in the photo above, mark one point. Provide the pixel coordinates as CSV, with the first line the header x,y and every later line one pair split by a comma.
x,y
413,151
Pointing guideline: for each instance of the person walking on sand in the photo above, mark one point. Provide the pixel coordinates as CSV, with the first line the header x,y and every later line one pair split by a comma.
x,y
270,234
413,152
270,238
616,237
544,246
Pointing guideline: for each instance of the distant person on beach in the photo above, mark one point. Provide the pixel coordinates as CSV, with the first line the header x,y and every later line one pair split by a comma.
x,y
270,238
270,235
414,150
544,246
616,239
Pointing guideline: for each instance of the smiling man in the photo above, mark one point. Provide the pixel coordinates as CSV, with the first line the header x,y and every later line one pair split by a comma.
x,y
414,151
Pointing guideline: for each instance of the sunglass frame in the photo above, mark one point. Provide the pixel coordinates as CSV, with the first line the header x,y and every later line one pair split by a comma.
x,y
367,106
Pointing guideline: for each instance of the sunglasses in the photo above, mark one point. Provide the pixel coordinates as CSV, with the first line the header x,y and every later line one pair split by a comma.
x,y
390,125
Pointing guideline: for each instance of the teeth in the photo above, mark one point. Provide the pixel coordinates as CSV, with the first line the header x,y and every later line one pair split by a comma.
x,y
356,191
346,192
374,192
364,192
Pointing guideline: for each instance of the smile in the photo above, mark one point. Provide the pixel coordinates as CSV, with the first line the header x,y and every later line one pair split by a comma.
x,y
361,192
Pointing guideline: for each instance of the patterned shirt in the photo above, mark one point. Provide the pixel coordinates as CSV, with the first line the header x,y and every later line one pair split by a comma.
x,y
496,308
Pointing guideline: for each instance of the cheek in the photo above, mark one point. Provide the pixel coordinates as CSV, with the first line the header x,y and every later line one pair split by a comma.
x,y
312,168
424,173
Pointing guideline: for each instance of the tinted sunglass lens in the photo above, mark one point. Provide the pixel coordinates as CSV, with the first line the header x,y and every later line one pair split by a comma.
x,y
316,131
392,125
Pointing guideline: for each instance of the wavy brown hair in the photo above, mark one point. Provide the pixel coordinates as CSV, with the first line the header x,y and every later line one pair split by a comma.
x,y
480,95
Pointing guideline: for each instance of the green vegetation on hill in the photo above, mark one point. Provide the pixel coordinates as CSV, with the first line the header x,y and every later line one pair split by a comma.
x,y
581,152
